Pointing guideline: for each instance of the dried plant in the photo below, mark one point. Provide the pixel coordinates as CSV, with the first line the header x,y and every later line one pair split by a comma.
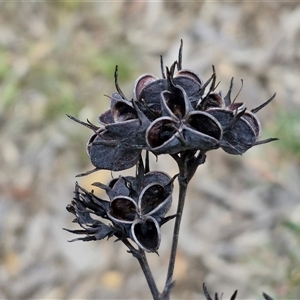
x,y
179,115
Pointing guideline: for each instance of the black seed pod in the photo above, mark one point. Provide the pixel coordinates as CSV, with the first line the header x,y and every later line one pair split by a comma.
x,y
138,206
241,128
181,128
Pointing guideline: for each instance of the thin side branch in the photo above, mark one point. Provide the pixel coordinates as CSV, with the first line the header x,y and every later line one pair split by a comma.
x,y
140,255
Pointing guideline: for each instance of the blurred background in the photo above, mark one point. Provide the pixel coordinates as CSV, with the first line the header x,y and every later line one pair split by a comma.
x,y
241,224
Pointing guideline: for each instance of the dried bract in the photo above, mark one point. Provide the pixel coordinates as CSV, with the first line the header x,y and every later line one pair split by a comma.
x,y
84,205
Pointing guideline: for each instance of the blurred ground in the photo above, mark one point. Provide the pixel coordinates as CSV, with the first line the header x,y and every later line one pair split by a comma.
x,y
241,225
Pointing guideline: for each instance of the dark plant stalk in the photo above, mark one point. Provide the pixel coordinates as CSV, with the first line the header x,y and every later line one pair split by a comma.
x,y
183,183
181,200
140,255
148,275
186,172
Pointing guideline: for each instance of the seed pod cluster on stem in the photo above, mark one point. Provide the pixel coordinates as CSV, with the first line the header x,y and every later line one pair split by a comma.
x,y
178,114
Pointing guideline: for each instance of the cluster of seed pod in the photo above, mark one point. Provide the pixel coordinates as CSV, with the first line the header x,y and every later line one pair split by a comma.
x,y
136,209
174,114
170,115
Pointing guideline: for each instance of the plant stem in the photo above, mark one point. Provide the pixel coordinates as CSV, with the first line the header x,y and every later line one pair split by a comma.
x,y
140,255
187,164
183,183
148,275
